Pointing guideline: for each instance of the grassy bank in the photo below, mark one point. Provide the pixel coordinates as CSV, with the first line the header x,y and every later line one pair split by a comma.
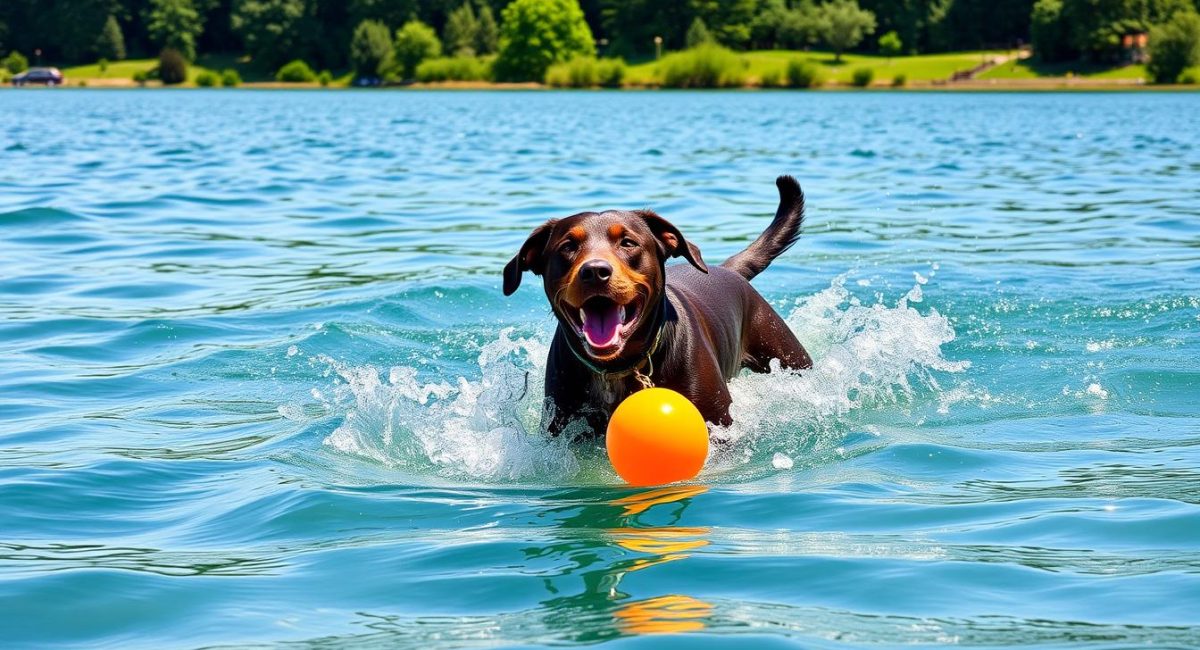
x,y
919,69
750,69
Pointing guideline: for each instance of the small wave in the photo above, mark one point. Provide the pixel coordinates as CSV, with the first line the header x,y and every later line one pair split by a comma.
x,y
866,357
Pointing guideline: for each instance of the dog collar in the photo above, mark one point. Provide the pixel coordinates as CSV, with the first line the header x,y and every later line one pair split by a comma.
x,y
635,368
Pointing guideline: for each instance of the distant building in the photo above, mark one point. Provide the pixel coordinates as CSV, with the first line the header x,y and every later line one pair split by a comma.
x,y
1133,47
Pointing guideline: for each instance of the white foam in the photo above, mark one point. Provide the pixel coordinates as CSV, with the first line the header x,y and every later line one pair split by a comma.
x,y
487,428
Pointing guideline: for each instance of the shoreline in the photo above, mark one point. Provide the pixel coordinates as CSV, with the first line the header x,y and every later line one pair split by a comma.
x,y
1051,84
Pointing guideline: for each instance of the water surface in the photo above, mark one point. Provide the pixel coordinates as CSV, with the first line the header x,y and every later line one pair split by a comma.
x,y
259,385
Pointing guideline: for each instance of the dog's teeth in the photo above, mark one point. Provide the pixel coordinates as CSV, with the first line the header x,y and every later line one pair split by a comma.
x,y
622,314
582,316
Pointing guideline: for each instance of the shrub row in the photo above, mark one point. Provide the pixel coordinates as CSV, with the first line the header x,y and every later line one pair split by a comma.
x,y
705,66
458,68
586,72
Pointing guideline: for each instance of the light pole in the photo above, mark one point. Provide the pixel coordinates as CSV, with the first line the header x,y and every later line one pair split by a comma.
x,y
657,47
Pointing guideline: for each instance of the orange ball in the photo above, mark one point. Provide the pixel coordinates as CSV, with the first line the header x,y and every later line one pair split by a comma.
x,y
656,436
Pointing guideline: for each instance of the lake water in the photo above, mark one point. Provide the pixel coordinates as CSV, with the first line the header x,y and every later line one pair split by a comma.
x,y
259,385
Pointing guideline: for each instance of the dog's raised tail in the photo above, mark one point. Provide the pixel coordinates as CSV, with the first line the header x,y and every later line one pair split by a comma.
x,y
778,237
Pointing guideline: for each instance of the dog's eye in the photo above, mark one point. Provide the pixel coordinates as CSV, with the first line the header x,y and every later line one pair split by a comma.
x,y
568,247
628,243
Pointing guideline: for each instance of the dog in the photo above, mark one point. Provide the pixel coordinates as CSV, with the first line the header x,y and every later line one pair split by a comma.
x,y
627,321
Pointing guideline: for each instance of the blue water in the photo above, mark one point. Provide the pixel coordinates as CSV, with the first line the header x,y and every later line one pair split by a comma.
x,y
259,385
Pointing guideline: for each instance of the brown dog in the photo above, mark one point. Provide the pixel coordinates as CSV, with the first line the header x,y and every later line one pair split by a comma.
x,y
624,319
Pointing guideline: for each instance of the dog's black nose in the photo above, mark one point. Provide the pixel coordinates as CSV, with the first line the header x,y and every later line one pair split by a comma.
x,y
595,272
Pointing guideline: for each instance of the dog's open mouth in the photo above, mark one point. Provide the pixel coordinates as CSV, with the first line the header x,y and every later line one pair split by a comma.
x,y
604,324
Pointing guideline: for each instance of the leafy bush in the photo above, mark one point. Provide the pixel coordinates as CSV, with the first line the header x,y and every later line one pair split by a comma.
x,y
536,34
370,48
110,44
802,74
1174,47
141,77
325,78
900,80
415,42
230,78
459,68
172,67
773,78
207,79
707,66
103,65
586,72
15,62
862,77
296,72
1189,77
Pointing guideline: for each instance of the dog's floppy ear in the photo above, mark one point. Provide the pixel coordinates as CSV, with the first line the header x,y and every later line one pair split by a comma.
x,y
671,241
530,257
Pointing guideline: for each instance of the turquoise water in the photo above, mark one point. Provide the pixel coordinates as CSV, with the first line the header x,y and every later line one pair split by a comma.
x,y
259,385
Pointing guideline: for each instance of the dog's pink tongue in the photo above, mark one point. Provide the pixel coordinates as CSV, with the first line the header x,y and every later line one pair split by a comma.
x,y
600,325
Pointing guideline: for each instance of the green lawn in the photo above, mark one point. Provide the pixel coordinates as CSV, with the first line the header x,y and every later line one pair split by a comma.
x,y
1030,69
125,70
920,68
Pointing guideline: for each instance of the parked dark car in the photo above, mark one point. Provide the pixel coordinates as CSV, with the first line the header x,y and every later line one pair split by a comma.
x,y
46,76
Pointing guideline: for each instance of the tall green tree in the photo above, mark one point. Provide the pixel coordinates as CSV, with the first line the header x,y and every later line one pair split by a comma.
x,y
535,34
890,44
370,48
273,30
1049,33
698,33
174,24
415,42
111,42
728,20
460,33
1174,47
487,32
845,25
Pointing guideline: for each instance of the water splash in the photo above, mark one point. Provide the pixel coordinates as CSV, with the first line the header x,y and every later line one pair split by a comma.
x,y
865,357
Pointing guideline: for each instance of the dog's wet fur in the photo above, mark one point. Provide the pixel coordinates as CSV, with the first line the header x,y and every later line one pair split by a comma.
x,y
606,279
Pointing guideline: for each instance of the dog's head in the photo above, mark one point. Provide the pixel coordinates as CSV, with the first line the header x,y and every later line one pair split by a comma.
x,y
604,275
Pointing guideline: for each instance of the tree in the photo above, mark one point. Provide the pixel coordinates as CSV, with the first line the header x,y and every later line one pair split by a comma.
x,y
1096,27
111,42
172,67
415,42
728,20
370,47
537,33
174,24
487,33
271,29
698,34
460,31
845,25
632,25
890,45
1048,32
1174,47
